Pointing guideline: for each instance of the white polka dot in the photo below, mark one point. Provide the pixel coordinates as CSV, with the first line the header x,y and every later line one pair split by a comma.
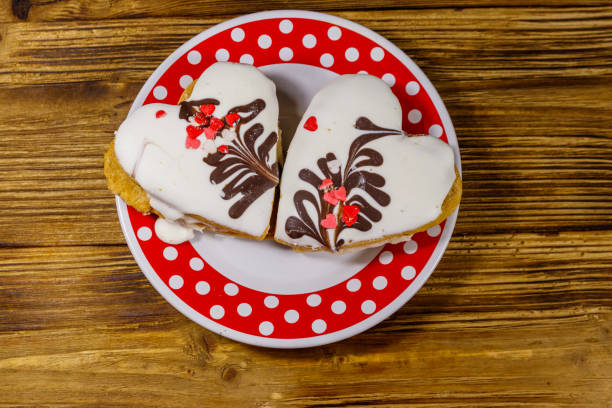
x,y
222,54
247,59
313,300
351,54
412,88
434,231
353,285
291,316
414,116
244,309
319,326
408,272
160,92
410,247
385,257
144,233
389,79
435,130
271,302
185,81
363,72
231,289
285,53
327,60
368,307
196,264
334,33
237,34
217,312
379,283
266,328
264,41
170,253
175,282
202,287
338,307
194,57
309,41
285,26
377,54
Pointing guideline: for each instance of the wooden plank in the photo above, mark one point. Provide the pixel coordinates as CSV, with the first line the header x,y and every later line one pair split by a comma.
x,y
80,326
43,10
464,44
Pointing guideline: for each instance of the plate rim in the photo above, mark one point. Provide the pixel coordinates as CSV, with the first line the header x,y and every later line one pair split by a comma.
x,y
361,326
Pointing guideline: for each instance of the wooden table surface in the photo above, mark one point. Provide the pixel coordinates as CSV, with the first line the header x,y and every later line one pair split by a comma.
x,y
518,313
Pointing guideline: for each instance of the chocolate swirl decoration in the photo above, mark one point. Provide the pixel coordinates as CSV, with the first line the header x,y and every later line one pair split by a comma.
x,y
304,225
353,177
244,164
188,108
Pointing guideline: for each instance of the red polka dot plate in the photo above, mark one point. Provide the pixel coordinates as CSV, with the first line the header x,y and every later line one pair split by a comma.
x,y
260,292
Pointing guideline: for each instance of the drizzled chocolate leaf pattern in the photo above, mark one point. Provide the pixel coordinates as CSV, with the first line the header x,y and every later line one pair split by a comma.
x,y
244,165
305,225
353,177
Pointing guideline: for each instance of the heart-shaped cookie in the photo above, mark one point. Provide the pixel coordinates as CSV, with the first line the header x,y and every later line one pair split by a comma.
x,y
208,163
353,179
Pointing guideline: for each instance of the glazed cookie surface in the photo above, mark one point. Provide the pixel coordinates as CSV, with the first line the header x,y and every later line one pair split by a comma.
x,y
353,179
208,163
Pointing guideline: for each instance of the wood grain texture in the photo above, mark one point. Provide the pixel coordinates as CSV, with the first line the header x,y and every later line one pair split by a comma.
x,y
518,313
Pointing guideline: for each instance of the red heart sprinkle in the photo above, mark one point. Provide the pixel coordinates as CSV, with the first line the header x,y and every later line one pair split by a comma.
x,y
330,198
329,221
230,118
194,131
209,132
340,193
223,149
160,114
325,183
311,124
216,123
207,109
350,214
191,143
200,119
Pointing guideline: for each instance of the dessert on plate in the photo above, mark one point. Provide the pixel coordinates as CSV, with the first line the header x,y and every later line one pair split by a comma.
x,y
209,163
353,179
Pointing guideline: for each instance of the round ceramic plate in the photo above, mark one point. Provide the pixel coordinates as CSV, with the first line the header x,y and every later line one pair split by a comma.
x,y
262,293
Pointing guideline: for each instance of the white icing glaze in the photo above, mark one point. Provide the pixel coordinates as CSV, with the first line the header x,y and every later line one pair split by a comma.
x,y
152,150
172,232
418,171
334,165
228,135
209,146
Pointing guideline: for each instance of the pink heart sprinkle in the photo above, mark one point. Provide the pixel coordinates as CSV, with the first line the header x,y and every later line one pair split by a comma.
x,y
330,198
340,193
325,183
329,221
191,143
209,133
